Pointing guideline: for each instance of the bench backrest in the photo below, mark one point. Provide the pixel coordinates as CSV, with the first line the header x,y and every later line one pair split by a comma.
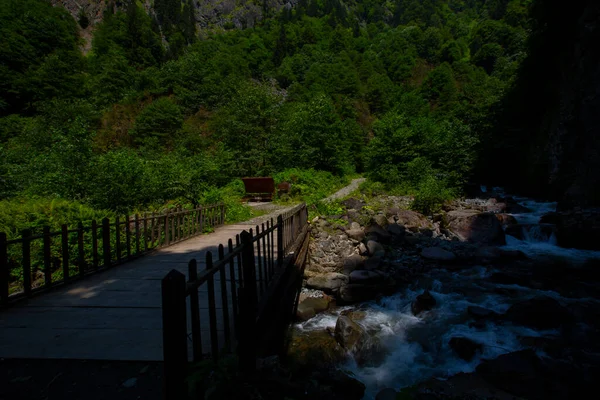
x,y
259,185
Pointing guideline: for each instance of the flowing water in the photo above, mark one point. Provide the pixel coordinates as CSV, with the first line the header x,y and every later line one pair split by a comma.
x,y
416,348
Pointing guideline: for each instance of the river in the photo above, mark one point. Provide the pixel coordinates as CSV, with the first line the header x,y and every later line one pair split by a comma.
x,y
415,349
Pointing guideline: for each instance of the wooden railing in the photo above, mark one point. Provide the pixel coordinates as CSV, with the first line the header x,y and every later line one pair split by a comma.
x,y
36,262
251,291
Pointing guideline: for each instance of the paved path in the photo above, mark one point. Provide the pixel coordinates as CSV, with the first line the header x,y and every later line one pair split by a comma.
x,y
114,315
346,190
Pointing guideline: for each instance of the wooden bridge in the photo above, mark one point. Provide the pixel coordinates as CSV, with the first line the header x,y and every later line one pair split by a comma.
x,y
120,313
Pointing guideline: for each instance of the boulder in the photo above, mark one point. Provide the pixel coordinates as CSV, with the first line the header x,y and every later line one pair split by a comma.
x,y
354,204
362,249
352,263
423,302
381,220
349,334
365,277
579,228
412,220
381,234
519,372
437,254
539,313
356,234
308,307
308,349
390,212
327,281
506,219
464,347
354,315
476,227
373,263
355,293
354,225
304,313
375,249
396,230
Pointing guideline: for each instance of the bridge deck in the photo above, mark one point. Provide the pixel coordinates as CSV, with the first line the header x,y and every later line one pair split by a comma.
x,y
114,315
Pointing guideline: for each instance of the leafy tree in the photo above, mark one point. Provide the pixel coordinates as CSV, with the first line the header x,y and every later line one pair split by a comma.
x,y
39,58
158,124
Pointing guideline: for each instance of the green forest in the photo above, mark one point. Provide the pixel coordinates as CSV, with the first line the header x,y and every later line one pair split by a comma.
x,y
160,113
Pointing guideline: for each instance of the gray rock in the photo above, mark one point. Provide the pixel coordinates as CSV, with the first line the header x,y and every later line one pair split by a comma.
x,y
375,249
362,249
355,225
353,203
328,281
437,254
356,234
349,334
355,293
423,302
396,229
390,212
465,348
373,263
381,220
476,227
376,230
365,277
352,263
305,313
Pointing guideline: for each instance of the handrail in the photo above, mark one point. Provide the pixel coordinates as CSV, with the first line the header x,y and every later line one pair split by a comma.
x,y
53,258
254,277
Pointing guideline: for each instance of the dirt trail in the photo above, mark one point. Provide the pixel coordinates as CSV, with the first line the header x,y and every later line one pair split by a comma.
x,y
346,190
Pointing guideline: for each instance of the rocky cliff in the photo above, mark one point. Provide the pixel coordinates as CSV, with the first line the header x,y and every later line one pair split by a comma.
x,y
209,14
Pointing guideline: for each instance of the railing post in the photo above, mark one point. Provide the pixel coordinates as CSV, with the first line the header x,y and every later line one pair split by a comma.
x,y
222,214
26,261
47,258
118,239
195,312
106,242
80,250
64,239
174,336
4,273
279,241
166,242
248,303
95,244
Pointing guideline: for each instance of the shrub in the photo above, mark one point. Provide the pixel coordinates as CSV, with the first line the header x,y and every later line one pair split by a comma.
x,y
431,195
158,123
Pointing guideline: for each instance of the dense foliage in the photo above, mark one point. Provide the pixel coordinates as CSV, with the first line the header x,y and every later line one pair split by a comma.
x,y
402,91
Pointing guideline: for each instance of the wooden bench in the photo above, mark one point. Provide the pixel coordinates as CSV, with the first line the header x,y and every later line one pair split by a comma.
x,y
259,189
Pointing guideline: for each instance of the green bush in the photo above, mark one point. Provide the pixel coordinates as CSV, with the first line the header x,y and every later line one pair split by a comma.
x,y
431,195
158,124
19,214
309,185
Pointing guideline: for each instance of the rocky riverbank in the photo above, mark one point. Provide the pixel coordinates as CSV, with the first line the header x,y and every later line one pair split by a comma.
x,y
402,299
